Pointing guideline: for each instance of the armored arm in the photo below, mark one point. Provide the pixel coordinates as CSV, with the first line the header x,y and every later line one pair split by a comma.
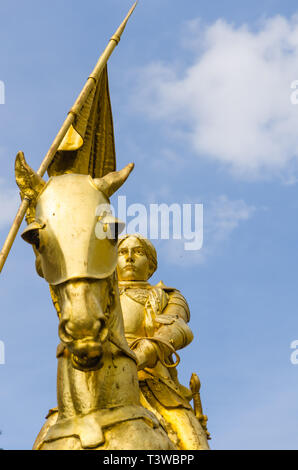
x,y
173,324
171,334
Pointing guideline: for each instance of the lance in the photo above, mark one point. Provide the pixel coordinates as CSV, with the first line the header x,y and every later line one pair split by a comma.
x,y
89,85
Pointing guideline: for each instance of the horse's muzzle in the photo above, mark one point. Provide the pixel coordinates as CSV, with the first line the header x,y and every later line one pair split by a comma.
x,y
86,354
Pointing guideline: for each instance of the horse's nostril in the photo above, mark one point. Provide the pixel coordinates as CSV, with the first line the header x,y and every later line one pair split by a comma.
x,y
69,330
65,333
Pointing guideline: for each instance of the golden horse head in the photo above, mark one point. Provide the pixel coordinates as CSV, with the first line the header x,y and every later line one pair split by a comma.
x,y
74,236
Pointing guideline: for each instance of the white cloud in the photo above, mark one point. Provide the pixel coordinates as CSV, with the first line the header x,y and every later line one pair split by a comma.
x,y
232,104
222,217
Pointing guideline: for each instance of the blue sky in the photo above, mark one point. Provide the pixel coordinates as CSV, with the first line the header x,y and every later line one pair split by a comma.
x,y
201,102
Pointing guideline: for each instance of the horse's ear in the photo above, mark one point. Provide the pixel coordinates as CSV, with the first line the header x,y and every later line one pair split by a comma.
x,y
29,182
112,181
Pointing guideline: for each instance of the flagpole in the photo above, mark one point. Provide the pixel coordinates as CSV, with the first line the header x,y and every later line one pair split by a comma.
x,y
90,84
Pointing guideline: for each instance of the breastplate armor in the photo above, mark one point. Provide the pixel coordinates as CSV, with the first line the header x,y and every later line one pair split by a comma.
x,y
133,308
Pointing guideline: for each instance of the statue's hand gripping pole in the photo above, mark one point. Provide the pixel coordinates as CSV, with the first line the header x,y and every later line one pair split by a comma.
x,y
90,84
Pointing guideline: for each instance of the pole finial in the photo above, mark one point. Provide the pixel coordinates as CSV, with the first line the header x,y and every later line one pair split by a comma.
x,y
117,36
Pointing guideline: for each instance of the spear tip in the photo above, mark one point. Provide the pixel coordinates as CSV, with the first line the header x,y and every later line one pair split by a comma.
x,y
116,37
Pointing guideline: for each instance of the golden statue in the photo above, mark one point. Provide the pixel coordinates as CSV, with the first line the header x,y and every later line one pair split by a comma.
x,y
156,325
111,394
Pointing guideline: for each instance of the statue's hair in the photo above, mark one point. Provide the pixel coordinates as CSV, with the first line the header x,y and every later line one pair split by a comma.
x,y
148,247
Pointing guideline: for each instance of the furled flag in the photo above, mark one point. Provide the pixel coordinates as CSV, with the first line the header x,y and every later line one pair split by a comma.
x,y
88,148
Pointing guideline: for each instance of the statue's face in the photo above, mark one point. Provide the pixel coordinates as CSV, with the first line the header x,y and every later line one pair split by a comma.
x,y
133,264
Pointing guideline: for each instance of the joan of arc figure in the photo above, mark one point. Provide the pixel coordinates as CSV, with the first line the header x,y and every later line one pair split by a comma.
x,y
156,326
